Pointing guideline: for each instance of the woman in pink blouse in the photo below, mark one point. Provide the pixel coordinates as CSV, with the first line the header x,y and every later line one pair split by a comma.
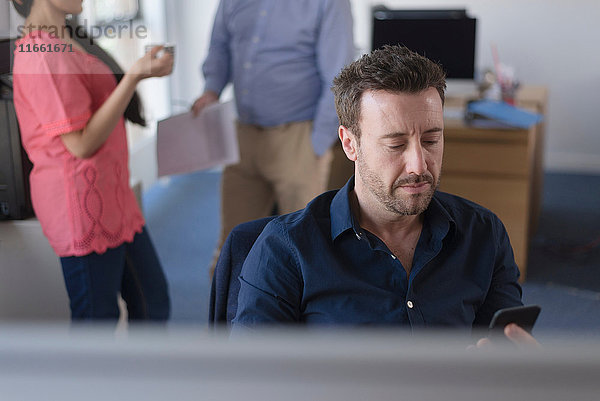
x,y
71,108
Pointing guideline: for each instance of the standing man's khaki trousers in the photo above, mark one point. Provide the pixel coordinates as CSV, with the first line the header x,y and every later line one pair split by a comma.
x,y
278,166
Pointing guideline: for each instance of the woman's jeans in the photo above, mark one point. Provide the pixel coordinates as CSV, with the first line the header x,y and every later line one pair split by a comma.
x,y
94,282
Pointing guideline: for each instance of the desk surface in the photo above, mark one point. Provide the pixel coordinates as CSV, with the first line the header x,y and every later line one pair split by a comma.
x,y
534,97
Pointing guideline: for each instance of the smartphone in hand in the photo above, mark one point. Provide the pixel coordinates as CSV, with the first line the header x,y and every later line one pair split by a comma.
x,y
523,316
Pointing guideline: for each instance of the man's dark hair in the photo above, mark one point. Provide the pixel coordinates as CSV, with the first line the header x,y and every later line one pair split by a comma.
x,y
391,69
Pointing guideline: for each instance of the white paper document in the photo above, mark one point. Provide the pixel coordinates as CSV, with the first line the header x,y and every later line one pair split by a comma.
x,y
186,144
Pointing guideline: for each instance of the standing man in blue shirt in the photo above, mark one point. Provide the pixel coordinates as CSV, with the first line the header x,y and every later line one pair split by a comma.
x,y
281,56
388,248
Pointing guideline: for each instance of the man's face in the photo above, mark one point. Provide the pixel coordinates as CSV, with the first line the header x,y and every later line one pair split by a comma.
x,y
399,154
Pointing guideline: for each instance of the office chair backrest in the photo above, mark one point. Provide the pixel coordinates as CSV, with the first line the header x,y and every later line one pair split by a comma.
x,y
225,283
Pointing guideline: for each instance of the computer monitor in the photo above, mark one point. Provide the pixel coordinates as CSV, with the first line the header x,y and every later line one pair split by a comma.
x,y
444,36
297,365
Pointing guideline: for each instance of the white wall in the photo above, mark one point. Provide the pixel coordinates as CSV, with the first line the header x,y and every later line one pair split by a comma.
x,y
189,25
549,42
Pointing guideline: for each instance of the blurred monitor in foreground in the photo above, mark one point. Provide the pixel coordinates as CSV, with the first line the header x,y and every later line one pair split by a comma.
x,y
38,363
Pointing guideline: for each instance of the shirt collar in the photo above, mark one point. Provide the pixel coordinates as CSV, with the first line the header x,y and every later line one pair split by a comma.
x,y
342,218
437,218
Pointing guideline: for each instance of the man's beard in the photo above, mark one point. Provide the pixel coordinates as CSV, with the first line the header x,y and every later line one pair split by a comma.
x,y
395,201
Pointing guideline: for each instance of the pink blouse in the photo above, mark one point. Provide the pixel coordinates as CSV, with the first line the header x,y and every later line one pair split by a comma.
x,y
83,205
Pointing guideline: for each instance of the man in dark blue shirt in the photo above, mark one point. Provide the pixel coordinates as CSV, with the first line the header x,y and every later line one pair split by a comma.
x,y
386,249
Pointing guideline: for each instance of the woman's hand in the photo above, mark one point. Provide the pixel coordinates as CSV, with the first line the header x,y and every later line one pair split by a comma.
x,y
150,65
86,142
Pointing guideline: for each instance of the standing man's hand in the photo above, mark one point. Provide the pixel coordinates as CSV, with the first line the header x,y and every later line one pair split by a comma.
x,y
207,98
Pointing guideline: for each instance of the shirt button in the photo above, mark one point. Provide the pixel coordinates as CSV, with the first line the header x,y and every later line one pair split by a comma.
x,y
263,13
410,304
255,39
393,257
358,237
247,65
245,92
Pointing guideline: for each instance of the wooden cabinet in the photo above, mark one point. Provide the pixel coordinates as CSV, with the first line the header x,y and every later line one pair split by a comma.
x,y
501,169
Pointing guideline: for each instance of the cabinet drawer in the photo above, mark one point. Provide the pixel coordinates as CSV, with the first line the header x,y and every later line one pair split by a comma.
x,y
486,157
507,198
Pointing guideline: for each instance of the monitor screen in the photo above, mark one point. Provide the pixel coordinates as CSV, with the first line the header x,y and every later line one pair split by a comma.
x,y
444,36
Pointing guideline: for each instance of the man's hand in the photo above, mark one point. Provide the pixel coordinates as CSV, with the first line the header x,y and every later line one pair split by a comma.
x,y
520,337
517,335
208,97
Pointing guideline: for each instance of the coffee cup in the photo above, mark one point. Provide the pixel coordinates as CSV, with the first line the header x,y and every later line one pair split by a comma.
x,y
167,47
